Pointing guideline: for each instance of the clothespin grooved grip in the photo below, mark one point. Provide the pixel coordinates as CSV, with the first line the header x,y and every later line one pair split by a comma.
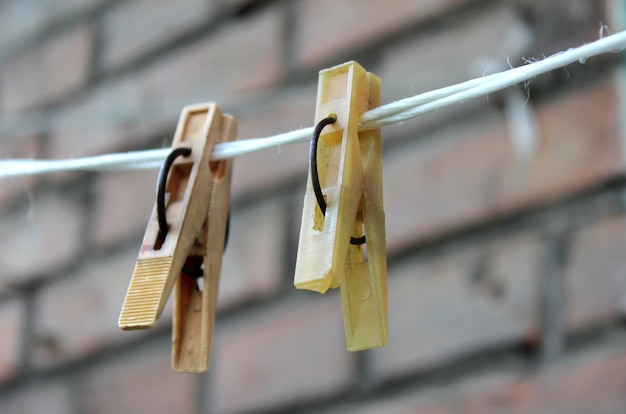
x,y
144,292
192,235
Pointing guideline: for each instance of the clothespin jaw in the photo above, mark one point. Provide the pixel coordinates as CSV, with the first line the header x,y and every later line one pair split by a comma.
x,y
350,174
197,209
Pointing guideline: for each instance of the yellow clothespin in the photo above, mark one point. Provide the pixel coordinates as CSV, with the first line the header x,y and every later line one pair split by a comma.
x,y
183,235
349,166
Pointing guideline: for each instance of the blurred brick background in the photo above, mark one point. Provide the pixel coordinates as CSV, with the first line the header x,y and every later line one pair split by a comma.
x,y
507,250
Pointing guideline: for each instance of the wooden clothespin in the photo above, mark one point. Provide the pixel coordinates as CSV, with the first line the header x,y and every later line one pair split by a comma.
x,y
184,235
349,165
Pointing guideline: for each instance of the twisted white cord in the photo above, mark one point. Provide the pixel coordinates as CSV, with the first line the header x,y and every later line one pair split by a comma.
x,y
391,113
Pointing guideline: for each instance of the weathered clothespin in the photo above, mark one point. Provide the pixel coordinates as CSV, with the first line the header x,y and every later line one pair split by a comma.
x,y
346,173
185,239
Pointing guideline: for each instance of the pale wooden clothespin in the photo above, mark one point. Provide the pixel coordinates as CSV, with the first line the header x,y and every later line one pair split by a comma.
x,y
183,235
349,165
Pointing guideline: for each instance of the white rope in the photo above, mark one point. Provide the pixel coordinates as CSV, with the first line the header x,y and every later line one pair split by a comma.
x,y
394,112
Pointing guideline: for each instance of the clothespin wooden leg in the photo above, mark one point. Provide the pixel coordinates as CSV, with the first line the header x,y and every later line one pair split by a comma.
x,y
195,308
350,175
364,287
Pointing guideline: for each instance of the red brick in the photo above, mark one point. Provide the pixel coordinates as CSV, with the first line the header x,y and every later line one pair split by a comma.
x,y
129,30
110,120
442,400
124,205
21,21
59,66
581,128
139,382
78,314
478,46
11,333
559,26
228,67
282,355
253,260
589,383
446,188
326,28
39,238
437,312
593,382
291,111
513,279
595,276
471,172
229,62
50,398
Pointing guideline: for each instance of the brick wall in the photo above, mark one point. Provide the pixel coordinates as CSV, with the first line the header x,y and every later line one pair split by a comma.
x,y
507,272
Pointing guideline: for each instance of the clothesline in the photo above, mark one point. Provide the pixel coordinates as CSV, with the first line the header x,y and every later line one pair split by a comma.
x,y
398,111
